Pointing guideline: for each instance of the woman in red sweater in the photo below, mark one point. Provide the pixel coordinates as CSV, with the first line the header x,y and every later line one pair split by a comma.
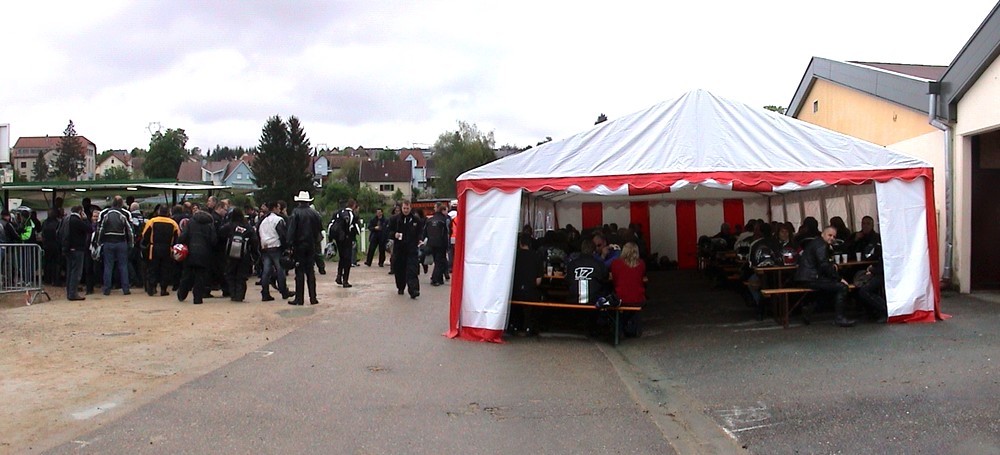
x,y
629,275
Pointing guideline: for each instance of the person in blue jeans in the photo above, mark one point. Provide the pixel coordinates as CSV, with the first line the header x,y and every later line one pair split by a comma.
x,y
115,235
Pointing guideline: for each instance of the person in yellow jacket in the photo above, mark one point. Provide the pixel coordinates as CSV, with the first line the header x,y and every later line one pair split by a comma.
x,y
158,235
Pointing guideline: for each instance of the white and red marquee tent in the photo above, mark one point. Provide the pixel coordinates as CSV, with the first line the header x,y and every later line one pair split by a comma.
x,y
673,157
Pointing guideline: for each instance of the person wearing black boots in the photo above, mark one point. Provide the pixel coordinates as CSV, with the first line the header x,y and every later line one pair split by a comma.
x,y
344,229
199,235
818,272
406,230
304,228
376,239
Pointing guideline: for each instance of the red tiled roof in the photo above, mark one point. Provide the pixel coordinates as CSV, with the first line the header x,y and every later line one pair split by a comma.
x,y
190,171
385,171
417,154
338,161
930,72
47,142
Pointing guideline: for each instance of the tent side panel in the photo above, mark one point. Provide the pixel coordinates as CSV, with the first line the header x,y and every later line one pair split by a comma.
x,y
491,227
593,215
732,212
756,209
639,214
905,248
687,235
662,231
616,212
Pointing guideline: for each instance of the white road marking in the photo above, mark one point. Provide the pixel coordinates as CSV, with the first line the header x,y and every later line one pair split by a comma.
x,y
94,411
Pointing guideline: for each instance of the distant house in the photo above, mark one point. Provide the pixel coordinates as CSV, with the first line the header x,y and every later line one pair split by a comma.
x,y
118,159
386,177
320,169
418,164
234,173
26,150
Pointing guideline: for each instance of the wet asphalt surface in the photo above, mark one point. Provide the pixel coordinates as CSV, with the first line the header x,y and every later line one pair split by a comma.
x,y
917,388
373,374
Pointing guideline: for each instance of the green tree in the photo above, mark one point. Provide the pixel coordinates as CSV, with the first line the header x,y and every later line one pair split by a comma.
x,y
387,155
41,167
458,151
332,196
350,173
68,164
281,168
220,153
165,155
778,109
369,200
398,195
116,173
299,164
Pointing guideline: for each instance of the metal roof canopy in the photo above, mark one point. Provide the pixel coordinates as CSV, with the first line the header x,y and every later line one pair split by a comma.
x,y
126,185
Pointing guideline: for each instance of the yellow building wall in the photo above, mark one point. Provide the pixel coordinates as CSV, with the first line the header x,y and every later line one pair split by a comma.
x,y
861,115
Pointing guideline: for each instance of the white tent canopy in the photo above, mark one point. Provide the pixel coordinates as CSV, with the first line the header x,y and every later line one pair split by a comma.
x,y
685,149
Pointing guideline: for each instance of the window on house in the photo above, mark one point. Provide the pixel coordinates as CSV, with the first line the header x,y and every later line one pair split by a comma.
x,y
24,164
239,176
387,187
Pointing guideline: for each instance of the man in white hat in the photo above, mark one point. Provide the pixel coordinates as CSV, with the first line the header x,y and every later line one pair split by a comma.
x,y
304,231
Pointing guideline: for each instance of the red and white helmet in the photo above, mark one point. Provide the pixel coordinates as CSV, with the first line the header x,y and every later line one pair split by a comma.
x,y
179,252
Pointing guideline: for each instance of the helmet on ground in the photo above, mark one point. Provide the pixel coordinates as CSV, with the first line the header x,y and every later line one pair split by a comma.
x,y
179,252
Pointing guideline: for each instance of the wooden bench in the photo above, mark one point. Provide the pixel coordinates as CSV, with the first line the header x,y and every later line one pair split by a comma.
x,y
578,306
782,308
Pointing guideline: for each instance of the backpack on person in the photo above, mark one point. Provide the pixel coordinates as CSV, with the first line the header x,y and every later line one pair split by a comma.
x,y
237,244
337,230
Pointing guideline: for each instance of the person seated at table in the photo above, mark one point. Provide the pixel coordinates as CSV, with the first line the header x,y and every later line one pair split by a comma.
x,y
786,247
762,253
726,233
866,241
604,250
529,268
553,249
743,241
871,292
818,272
843,235
586,275
809,230
628,273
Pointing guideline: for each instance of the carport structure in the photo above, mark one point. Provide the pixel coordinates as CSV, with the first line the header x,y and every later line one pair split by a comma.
x,y
695,147
60,189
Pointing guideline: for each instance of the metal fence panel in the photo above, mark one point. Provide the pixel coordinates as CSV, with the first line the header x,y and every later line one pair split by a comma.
x,y
21,270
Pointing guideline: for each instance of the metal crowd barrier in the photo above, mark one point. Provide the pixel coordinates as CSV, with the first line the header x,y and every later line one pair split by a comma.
x,y
21,270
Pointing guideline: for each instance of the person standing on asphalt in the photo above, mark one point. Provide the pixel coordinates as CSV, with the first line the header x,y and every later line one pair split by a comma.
x,y
436,234
304,228
158,235
115,235
405,230
344,230
74,237
199,235
377,238
817,271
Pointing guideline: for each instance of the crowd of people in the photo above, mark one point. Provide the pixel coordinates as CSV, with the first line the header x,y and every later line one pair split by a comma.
x,y
195,250
814,252
601,266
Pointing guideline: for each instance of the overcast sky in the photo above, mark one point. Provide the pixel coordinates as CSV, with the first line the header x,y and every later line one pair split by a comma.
x,y
399,73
